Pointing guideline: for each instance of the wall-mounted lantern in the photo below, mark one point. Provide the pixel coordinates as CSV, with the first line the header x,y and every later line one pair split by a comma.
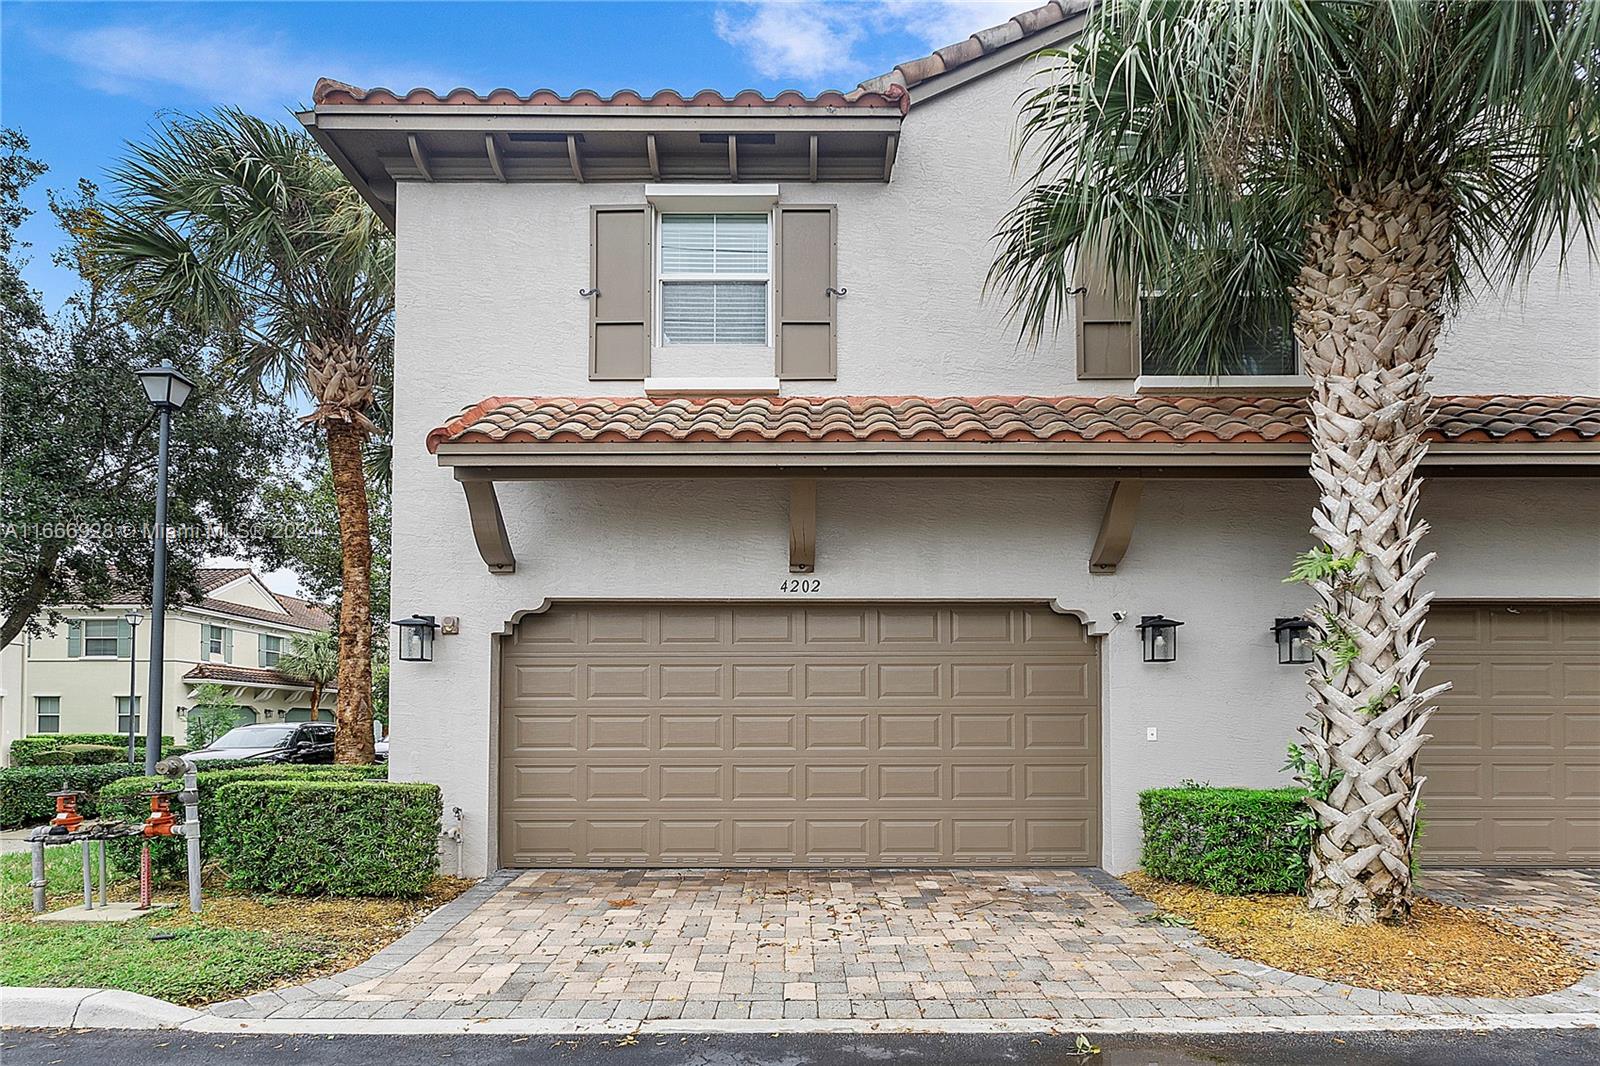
x,y
416,638
1294,640
1159,635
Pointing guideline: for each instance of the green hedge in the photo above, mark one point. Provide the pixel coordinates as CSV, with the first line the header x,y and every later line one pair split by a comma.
x,y
80,755
339,838
25,790
1230,840
24,750
128,799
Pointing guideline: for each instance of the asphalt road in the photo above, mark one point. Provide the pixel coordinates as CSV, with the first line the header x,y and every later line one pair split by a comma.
x,y
112,1048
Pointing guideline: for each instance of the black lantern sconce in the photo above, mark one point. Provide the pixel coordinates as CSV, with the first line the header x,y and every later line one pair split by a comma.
x,y
416,638
1294,640
1159,635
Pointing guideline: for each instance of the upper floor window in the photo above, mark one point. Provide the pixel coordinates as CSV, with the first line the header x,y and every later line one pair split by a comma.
x,y
715,273
47,713
100,637
1259,353
271,649
214,640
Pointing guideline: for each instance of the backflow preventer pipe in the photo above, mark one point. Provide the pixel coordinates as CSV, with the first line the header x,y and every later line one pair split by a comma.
x,y
190,798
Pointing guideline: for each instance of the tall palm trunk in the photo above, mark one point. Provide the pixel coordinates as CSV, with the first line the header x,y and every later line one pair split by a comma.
x,y
1367,313
340,377
353,709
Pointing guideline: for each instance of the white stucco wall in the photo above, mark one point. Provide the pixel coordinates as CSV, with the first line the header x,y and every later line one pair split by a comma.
x,y
488,305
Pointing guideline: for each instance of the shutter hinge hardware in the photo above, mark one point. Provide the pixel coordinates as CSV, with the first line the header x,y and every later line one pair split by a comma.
x,y
586,293
831,291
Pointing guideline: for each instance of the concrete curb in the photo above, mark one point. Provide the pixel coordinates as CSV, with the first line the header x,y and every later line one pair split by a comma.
x,y
88,1008
1328,1023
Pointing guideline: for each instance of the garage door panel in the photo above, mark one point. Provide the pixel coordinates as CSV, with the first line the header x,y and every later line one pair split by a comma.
x,y
786,735
837,732
1514,767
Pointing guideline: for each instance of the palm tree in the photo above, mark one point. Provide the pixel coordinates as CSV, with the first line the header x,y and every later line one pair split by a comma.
x,y
314,658
244,227
1354,166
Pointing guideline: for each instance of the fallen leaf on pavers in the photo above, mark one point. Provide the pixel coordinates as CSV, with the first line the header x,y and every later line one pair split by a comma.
x,y
1084,1047
626,901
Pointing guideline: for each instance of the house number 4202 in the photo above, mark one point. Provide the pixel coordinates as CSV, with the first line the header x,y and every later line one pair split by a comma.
x,y
801,585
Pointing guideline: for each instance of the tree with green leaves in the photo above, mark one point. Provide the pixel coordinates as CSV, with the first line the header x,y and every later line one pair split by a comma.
x,y
1355,167
78,437
314,659
245,226
213,714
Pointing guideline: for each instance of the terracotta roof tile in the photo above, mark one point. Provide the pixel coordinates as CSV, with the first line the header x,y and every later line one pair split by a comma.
x,y
913,72
243,675
300,613
330,92
1144,419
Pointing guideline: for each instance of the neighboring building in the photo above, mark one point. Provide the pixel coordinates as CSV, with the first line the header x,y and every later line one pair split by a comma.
x,y
730,591
74,678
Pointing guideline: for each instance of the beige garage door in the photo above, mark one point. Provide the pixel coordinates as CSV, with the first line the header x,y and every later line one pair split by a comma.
x,y
1514,764
799,736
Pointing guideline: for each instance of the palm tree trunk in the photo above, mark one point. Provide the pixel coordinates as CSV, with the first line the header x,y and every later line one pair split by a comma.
x,y
1367,313
353,709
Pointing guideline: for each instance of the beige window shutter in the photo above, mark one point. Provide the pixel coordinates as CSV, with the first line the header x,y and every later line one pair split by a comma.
x,y
806,311
620,268
1108,328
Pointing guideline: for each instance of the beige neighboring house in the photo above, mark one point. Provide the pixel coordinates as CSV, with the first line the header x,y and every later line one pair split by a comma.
x,y
763,542
74,678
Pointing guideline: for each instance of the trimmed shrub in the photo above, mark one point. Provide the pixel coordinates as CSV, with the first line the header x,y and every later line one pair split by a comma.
x,y
24,750
127,799
338,838
1233,841
81,755
25,790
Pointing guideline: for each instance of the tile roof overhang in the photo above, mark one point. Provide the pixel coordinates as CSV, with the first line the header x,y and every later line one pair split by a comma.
x,y
247,676
1224,435
380,136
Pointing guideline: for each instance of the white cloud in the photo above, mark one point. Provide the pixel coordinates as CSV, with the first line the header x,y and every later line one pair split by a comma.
x,y
241,66
816,39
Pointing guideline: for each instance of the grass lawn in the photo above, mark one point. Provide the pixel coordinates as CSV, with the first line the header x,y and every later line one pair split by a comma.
x,y
241,942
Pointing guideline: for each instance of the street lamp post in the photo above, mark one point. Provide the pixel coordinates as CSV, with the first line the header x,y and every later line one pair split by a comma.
x,y
167,388
133,618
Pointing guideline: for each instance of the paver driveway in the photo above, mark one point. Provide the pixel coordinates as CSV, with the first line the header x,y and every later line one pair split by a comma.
x,y
1066,944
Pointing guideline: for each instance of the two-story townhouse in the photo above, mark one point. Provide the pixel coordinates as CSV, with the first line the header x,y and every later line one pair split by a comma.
x,y
765,542
76,677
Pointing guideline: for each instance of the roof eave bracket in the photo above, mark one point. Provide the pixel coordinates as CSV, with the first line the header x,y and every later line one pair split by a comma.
x,y
489,527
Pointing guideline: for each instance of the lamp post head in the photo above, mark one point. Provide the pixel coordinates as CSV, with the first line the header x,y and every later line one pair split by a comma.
x,y
166,385
134,617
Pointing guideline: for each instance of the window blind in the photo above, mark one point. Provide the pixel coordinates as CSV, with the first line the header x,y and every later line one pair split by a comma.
x,y
697,252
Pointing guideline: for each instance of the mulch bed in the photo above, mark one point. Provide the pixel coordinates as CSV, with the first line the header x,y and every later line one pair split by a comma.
x,y
1442,950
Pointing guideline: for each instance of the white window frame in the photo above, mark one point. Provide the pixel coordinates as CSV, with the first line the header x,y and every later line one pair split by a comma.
x,y
56,716
1263,383
114,638
133,705
276,653
661,279
207,635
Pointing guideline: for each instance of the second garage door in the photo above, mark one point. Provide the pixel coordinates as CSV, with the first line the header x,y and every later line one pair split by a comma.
x,y
1514,764
689,735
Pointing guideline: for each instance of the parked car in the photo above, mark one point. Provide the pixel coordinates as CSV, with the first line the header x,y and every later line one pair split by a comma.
x,y
297,742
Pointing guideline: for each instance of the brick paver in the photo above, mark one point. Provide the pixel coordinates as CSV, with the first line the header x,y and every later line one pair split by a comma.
x,y
760,944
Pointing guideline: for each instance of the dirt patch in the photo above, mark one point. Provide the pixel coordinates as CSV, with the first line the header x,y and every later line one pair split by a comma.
x,y
1441,951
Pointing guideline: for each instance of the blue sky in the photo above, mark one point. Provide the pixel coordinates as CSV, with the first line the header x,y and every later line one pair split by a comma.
x,y
80,79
